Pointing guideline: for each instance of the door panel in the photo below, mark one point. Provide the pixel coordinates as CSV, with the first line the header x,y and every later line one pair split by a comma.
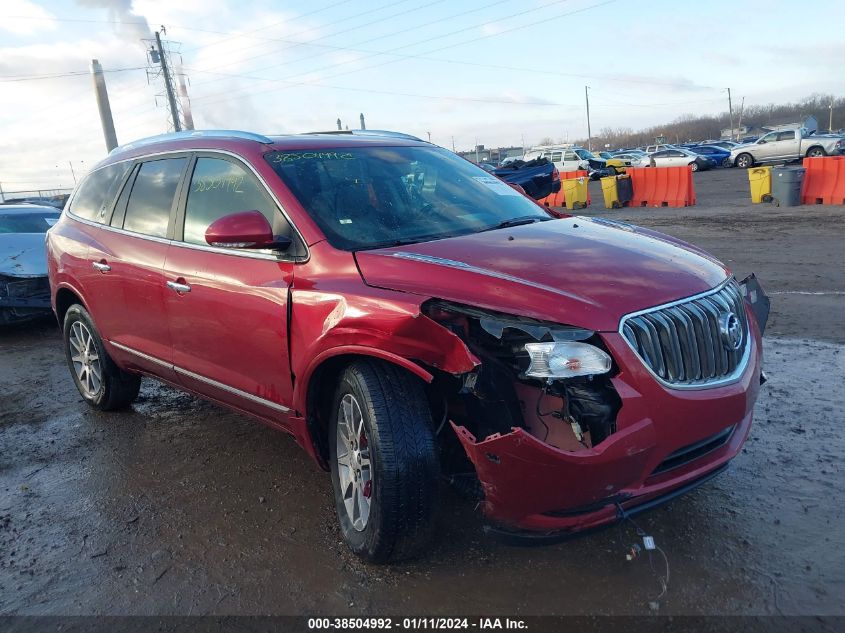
x,y
129,268
231,327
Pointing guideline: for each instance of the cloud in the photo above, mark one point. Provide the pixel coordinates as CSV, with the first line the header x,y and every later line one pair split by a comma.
x,y
23,17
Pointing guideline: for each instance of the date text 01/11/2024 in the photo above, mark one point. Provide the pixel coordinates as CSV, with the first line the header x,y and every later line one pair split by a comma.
x,y
416,623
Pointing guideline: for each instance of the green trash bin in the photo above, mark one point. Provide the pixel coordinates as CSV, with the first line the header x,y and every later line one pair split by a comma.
x,y
786,186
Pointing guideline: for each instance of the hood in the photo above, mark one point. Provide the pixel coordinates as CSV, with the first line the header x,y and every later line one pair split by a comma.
x,y
741,146
575,271
23,254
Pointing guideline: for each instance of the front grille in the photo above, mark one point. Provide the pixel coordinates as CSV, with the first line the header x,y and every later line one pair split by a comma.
x,y
686,344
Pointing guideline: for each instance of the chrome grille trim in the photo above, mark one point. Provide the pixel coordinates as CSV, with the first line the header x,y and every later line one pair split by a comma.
x,y
680,342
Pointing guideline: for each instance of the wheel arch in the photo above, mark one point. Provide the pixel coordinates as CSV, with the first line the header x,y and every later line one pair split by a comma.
x,y
66,296
816,146
318,384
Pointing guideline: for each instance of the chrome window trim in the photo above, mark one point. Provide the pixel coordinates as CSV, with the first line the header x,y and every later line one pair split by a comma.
x,y
226,251
208,381
721,382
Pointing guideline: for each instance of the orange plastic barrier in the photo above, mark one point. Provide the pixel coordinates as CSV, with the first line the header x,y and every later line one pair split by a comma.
x,y
662,186
558,199
824,180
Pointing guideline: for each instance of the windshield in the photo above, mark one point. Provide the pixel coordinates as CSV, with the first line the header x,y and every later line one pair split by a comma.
x,y
27,222
369,197
584,154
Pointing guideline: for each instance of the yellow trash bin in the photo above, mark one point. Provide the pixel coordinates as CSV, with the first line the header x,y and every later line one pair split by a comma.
x,y
610,192
760,179
575,192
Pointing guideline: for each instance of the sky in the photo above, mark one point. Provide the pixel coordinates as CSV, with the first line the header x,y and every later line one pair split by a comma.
x,y
494,72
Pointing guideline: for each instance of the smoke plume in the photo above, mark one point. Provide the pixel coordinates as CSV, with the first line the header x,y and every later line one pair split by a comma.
x,y
128,24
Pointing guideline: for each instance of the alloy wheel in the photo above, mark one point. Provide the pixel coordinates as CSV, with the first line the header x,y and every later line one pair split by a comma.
x,y
354,468
85,359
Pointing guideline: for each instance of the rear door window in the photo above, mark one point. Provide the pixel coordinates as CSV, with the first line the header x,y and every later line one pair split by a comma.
x,y
96,194
218,188
151,200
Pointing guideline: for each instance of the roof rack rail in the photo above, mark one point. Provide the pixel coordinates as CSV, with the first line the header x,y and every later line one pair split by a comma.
x,y
383,133
188,134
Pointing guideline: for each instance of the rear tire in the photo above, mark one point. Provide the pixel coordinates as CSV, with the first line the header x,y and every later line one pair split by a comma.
x,y
816,152
101,383
394,453
694,165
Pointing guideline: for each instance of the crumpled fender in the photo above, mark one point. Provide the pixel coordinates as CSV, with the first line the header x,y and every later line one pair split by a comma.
x,y
327,324
522,476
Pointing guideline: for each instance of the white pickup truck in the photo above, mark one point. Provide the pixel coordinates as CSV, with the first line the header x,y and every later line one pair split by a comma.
x,y
786,145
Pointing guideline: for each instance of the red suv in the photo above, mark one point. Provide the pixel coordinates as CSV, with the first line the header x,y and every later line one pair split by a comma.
x,y
408,317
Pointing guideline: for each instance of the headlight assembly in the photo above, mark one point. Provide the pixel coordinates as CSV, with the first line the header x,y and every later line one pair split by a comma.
x,y
566,360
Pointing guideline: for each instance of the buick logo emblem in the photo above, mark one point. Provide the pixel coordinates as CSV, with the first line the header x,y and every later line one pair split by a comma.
x,y
730,330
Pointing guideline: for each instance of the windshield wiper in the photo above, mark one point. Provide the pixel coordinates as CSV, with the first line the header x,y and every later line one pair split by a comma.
x,y
526,219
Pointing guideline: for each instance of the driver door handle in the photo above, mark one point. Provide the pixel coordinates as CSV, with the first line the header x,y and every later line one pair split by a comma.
x,y
180,288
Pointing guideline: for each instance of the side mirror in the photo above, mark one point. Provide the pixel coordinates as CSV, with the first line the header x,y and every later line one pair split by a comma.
x,y
246,229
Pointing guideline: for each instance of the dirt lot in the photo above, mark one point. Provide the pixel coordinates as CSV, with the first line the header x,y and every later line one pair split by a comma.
x,y
179,507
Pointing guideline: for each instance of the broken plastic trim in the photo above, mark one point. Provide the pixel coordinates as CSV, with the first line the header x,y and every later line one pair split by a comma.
x,y
758,299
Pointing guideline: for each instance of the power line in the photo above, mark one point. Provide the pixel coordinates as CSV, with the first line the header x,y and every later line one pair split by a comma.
x,y
416,27
336,33
446,97
233,36
581,10
460,62
430,39
73,73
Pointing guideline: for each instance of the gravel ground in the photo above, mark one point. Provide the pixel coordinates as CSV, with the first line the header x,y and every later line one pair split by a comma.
x,y
180,507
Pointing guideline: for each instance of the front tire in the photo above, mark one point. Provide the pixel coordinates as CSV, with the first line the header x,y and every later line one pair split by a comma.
x,y
744,161
384,465
101,383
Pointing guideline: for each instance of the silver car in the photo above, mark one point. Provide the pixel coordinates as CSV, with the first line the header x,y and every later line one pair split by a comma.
x,y
679,157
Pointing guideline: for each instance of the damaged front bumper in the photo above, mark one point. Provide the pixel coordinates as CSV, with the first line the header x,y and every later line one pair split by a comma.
x,y
667,441
22,298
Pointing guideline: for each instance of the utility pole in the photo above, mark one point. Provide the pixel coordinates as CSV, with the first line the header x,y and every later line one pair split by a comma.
x,y
72,173
739,123
830,121
168,85
103,105
731,111
589,133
